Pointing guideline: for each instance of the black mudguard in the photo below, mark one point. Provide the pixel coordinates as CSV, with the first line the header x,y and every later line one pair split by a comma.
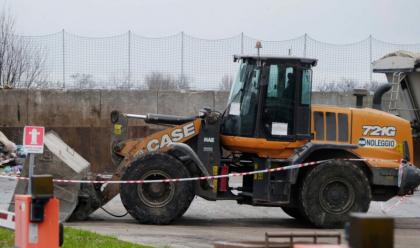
x,y
309,148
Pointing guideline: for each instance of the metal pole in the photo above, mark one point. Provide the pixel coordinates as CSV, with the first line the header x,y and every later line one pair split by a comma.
x,y
370,59
31,171
64,64
242,43
129,57
182,58
304,44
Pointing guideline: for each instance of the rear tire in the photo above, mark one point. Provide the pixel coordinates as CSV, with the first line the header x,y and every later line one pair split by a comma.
x,y
156,203
332,190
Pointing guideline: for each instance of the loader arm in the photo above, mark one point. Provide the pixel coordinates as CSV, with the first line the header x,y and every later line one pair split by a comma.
x,y
129,150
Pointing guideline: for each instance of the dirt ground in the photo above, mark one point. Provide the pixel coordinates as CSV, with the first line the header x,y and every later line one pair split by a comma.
x,y
207,222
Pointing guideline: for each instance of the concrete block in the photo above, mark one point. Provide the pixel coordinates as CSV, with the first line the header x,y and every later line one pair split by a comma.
x,y
64,108
127,101
184,102
341,99
220,100
13,107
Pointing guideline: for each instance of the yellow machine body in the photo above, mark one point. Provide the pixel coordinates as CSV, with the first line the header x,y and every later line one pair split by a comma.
x,y
376,126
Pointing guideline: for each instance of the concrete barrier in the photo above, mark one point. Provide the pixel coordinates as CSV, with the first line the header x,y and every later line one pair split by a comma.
x,y
81,117
13,108
184,102
127,101
342,99
57,108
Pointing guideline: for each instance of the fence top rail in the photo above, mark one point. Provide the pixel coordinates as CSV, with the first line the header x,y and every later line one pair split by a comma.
x,y
216,39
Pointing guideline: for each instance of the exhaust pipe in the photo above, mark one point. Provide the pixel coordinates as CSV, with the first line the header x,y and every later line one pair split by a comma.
x,y
359,94
408,178
377,96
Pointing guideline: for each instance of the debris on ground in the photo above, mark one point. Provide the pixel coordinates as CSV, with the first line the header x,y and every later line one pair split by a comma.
x,y
12,157
61,162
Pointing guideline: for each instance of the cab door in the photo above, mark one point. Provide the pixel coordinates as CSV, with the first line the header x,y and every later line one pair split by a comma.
x,y
286,109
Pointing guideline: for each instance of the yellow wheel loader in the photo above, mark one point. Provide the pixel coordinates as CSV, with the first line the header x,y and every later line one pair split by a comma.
x,y
269,122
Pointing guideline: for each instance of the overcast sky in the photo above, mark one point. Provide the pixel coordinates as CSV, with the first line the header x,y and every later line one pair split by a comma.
x,y
332,21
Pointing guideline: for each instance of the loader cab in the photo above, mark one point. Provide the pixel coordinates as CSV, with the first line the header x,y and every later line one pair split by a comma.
x,y
270,99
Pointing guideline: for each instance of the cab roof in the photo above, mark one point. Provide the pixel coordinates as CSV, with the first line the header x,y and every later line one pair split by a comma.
x,y
301,60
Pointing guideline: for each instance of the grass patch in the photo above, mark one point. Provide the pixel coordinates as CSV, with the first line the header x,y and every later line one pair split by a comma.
x,y
7,238
75,238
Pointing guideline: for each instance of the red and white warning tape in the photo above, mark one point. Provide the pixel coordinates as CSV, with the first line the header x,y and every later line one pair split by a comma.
x,y
289,167
7,219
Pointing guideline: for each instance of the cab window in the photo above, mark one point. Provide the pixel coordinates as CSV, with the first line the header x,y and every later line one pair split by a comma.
x,y
279,103
306,87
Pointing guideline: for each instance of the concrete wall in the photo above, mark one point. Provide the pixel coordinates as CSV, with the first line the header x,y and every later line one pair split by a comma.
x,y
81,117
338,98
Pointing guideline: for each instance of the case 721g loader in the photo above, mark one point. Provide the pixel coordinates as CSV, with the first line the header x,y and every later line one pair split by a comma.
x,y
269,122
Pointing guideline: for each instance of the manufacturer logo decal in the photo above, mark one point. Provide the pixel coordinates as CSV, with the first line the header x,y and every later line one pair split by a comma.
x,y
209,139
377,143
175,136
379,131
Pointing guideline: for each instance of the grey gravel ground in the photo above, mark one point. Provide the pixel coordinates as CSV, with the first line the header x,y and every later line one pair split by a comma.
x,y
7,187
206,222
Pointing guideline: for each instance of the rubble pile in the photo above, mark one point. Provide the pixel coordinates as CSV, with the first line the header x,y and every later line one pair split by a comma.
x,y
12,157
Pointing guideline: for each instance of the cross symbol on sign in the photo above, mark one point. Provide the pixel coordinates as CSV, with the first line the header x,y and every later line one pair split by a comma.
x,y
34,134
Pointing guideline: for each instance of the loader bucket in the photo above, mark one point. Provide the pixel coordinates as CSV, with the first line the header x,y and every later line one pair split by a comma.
x,y
408,178
62,162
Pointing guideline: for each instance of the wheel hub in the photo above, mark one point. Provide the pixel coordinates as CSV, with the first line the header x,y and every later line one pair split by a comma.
x,y
336,196
156,194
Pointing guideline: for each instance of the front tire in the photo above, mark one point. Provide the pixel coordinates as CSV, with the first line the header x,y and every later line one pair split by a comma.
x,y
156,203
332,190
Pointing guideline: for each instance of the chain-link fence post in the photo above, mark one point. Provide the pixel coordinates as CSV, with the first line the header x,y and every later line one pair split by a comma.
x,y
305,39
182,58
242,43
129,58
370,59
64,59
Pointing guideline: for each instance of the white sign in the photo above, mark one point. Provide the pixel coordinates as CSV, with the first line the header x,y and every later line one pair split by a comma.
x,y
235,109
278,128
7,219
33,233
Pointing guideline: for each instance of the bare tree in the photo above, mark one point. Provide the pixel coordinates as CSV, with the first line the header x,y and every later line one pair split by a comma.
x,y
162,81
158,81
85,81
226,84
347,85
326,87
20,63
372,86
344,85
123,82
183,82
